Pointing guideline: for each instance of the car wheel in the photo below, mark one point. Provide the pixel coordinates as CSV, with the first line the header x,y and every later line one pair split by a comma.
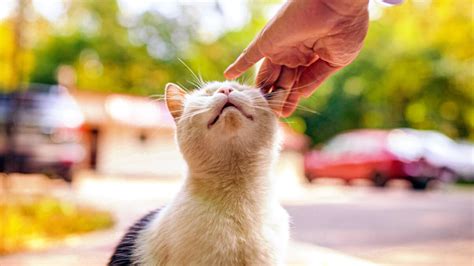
x,y
419,183
309,177
2,164
379,179
65,174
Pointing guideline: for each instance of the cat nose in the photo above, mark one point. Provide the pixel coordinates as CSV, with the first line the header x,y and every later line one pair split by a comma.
x,y
225,90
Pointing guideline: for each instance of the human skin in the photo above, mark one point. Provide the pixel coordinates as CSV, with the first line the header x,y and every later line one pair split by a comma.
x,y
303,44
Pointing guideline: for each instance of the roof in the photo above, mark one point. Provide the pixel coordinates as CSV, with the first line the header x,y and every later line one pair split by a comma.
x,y
135,111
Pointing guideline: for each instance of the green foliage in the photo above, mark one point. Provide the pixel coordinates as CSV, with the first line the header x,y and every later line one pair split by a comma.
x,y
415,69
32,222
138,56
56,51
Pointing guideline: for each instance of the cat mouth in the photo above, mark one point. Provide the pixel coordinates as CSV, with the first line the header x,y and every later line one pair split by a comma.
x,y
226,105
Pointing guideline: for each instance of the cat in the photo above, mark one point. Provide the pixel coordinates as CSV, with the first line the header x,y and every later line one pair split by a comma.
x,y
227,212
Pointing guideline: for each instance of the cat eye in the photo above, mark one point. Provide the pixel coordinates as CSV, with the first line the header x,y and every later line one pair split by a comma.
x,y
206,93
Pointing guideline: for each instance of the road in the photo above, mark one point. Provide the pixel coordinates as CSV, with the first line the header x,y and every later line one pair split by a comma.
x,y
392,226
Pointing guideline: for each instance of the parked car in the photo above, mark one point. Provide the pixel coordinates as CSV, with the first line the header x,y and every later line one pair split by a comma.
x,y
370,154
441,151
40,131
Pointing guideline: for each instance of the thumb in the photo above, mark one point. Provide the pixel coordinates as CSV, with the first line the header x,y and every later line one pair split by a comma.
x,y
248,58
291,103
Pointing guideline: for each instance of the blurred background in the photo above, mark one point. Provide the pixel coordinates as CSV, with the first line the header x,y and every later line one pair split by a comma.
x,y
377,165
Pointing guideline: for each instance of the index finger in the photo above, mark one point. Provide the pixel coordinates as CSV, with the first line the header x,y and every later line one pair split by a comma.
x,y
247,58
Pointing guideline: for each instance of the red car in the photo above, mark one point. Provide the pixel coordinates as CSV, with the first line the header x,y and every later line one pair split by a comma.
x,y
370,154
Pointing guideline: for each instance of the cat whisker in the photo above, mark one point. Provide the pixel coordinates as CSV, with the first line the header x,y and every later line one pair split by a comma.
x,y
194,84
278,102
194,113
285,120
198,80
298,107
183,87
255,106
156,95
201,79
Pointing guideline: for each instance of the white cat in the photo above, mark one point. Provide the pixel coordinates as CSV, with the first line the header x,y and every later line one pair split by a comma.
x,y
226,212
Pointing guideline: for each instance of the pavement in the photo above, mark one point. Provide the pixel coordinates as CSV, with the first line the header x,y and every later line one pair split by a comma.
x,y
95,249
332,224
392,226
128,199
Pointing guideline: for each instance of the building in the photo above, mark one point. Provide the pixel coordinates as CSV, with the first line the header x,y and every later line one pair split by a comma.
x,y
128,135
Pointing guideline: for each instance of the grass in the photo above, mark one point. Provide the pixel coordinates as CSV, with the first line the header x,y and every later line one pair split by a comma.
x,y
29,223
465,182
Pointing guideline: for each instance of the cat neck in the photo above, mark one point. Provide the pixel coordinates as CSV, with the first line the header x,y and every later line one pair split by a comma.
x,y
238,180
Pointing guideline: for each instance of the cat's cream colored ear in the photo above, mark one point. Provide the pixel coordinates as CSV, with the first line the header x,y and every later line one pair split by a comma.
x,y
174,97
276,100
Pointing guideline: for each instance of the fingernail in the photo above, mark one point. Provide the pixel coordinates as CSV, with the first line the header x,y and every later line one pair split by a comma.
x,y
228,75
226,72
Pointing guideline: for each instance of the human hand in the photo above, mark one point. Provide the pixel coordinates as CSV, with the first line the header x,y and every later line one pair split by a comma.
x,y
303,44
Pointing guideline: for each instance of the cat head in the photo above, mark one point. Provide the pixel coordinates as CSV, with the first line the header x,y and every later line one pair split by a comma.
x,y
221,120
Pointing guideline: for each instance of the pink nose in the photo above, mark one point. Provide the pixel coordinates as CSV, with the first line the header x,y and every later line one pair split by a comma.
x,y
225,90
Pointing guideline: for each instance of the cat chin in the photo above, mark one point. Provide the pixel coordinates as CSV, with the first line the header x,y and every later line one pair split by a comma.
x,y
230,121
229,114
230,124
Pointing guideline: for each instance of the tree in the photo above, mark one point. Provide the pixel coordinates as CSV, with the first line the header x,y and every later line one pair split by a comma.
x,y
414,71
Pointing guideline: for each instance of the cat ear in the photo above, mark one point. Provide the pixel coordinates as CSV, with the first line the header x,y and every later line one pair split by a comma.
x,y
174,97
276,100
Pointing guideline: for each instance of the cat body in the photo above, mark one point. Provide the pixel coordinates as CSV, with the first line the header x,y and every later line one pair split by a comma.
x,y
226,213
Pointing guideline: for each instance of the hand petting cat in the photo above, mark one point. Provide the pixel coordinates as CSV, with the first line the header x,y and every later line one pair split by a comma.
x,y
306,42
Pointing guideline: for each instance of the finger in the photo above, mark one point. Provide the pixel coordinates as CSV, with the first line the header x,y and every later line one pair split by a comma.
x,y
267,75
287,78
248,58
295,56
311,77
291,103
282,86
277,98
